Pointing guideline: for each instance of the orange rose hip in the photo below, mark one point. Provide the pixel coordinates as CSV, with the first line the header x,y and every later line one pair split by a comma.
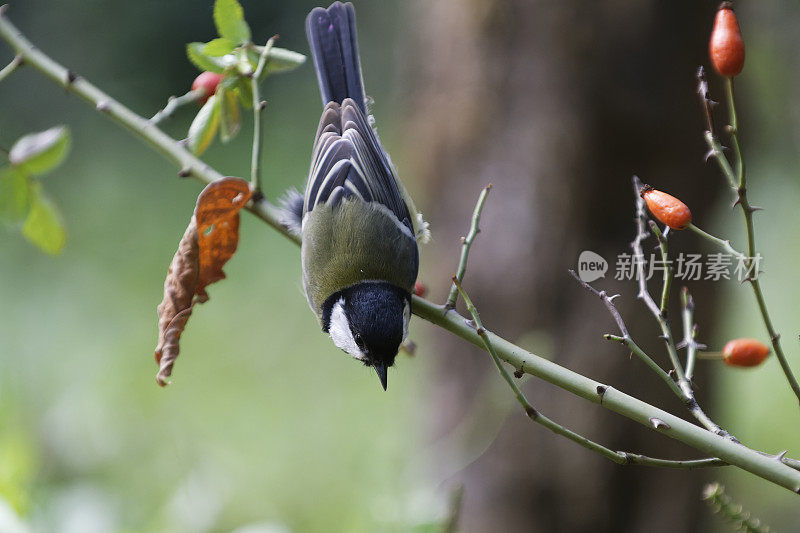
x,y
745,352
726,47
666,208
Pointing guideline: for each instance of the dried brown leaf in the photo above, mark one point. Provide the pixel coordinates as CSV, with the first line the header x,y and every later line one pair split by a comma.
x,y
209,242
179,290
217,215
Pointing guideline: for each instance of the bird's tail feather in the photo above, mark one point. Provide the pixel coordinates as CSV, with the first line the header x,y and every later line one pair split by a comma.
x,y
331,35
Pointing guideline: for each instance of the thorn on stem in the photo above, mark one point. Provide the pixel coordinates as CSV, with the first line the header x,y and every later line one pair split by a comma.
x,y
532,413
657,423
71,77
262,105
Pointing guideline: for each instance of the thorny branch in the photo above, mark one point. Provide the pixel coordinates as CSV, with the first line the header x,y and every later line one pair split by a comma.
x,y
685,391
689,332
738,184
466,244
763,466
258,107
535,415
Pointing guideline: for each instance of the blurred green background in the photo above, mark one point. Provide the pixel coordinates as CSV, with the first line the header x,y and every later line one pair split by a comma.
x,y
267,426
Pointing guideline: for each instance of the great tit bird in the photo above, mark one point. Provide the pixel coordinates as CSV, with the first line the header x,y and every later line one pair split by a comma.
x,y
359,227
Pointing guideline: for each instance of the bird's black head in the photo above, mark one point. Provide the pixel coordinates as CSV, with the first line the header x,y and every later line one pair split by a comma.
x,y
369,320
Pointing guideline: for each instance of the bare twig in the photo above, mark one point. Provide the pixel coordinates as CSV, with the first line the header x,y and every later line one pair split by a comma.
x,y
626,338
11,67
176,102
258,107
705,101
689,332
466,243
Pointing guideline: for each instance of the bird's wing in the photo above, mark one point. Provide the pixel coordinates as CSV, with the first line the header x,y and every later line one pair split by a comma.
x,y
348,161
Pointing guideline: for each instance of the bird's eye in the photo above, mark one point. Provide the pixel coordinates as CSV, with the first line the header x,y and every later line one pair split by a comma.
x,y
359,341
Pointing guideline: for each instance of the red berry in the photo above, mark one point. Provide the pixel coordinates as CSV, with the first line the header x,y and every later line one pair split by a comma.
x,y
745,352
666,208
420,289
726,46
207,81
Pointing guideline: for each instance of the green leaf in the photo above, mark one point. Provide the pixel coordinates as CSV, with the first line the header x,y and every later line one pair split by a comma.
x,y
194,51
44,227
229,19
278,60
15,195
204,126
230,115
39,153
244,89
219,47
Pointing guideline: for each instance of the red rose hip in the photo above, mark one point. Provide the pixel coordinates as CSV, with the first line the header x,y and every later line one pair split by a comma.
x,y
726,47
207,82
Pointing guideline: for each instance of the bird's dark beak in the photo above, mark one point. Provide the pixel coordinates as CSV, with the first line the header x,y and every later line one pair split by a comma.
x,y
380,369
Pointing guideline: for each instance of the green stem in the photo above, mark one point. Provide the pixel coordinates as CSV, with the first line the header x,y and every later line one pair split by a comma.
x,y
650,416
667,285
11,67
466,244
689,332
722,160
255,163
722,243
555,427
176,102
734,128
641,354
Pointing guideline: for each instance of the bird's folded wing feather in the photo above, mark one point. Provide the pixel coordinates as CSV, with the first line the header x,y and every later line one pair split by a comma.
x,y
349,162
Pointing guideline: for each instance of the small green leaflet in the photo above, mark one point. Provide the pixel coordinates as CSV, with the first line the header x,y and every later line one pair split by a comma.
x,y
44,227
204,126
229,19
219,47
15,195
278,60
39,153
230,115
195,53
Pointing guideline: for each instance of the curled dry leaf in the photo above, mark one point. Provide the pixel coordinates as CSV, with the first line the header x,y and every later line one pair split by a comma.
x,y
209,242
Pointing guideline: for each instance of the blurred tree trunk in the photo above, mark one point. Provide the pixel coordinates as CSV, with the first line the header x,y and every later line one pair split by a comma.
x,y
558,104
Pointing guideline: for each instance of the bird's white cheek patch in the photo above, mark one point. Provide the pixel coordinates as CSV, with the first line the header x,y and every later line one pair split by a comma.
x,y
339,330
